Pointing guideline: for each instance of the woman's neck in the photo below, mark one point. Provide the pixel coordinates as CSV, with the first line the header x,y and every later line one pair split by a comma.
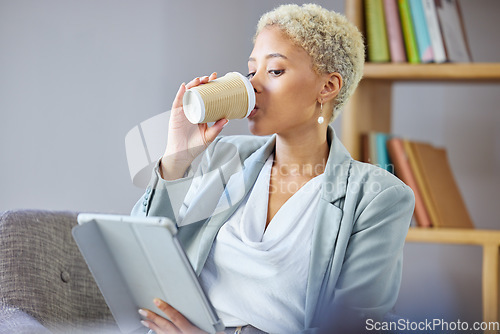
x,y
302,154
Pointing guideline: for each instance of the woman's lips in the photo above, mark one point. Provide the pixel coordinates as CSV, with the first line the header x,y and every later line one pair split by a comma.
x,y
254,111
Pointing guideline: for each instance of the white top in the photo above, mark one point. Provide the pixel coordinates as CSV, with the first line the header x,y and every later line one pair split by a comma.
x,y
258,276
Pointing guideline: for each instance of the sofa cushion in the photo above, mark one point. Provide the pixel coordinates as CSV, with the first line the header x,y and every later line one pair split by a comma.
x,y
43,274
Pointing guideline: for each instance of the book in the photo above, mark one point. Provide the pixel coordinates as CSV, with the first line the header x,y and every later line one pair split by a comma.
x,y
440,192
383,160
422,186
365,148
402,170
434,31
424,46
372,148
394,33
452,27
408,32
376,35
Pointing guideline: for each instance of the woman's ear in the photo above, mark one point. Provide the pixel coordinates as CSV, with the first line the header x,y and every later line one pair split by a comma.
x,y
331,88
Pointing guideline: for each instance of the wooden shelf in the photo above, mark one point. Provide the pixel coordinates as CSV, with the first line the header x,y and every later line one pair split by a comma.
x,y
454,236
448,71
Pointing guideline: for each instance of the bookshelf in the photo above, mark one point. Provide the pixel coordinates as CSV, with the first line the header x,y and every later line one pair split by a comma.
x,y
370,109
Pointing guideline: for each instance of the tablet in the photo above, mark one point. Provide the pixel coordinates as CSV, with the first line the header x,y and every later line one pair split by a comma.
x,y
136,259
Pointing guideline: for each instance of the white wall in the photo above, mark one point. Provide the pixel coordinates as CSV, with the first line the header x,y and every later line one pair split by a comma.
x,y
76,76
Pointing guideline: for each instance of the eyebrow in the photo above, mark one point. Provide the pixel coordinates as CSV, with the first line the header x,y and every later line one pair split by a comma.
x,y
271,55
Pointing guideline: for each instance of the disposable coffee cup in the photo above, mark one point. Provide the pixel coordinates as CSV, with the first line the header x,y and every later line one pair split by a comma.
x,y
231,96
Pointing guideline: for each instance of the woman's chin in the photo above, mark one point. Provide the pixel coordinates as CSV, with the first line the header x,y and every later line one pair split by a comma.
x,y
253,130
256,129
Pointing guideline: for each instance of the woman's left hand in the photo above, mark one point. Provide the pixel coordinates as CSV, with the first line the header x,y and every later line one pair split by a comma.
x,y
177,324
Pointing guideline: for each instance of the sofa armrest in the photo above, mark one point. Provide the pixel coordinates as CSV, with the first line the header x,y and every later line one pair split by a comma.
x,y
43,274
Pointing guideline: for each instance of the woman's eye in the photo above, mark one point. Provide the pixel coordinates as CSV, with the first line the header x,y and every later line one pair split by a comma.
x,y
250,75
276,73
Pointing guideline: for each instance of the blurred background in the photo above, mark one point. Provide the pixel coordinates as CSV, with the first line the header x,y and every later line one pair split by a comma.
x,y
76,76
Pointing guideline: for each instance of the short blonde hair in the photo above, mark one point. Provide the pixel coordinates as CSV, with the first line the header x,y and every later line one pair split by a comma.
x,y
334,43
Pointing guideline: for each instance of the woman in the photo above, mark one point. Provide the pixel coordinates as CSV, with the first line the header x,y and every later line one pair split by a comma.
x,y
284,231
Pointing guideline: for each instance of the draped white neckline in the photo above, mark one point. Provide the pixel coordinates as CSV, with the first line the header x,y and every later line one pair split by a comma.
x,y
257,275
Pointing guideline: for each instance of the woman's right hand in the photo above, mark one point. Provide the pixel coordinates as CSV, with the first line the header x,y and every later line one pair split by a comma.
x,y
186,140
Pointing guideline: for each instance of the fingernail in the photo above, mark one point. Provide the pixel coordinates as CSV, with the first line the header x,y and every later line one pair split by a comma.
x,y
227,122
143,312
157,301
144,323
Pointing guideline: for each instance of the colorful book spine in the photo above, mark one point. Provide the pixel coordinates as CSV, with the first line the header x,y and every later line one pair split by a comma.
x,y
365,148
422,185
441,187
372,144
403,171
452,27
394,33
408,32
434,31
382,154
421,31
377,43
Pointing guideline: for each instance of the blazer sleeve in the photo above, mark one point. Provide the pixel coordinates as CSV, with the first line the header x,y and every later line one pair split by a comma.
x,y
195,196
370,278
156,200
166,198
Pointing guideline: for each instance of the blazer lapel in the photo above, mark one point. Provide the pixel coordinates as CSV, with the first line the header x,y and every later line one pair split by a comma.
x,y
325,235
327,224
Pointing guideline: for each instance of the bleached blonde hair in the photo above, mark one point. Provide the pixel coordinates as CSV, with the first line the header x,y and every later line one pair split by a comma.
x,y
332,41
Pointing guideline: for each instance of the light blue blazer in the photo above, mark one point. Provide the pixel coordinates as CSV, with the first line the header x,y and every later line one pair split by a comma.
x,y
357,244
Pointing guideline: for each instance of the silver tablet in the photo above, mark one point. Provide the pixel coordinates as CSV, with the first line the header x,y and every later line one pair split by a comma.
x,y
137,259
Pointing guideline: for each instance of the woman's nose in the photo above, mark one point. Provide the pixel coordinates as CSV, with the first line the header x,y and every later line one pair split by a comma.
x,y
255,83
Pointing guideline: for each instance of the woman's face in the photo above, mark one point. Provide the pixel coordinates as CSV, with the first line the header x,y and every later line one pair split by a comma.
x,y
286,86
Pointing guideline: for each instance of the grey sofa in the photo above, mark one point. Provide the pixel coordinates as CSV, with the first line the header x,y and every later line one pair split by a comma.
x,y
45,285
